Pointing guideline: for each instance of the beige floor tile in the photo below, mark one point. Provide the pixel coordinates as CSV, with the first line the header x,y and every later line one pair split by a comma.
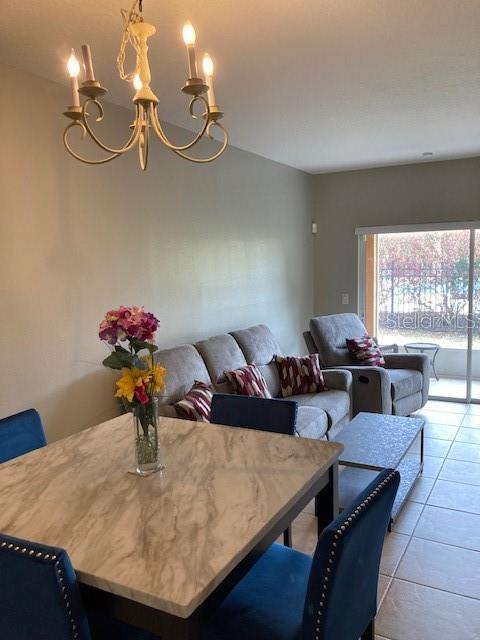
x,y
450,527
393,550
440,431
310,508
414,612
383,584
453,495
432,447
473,409
446,407
422,489
304,533
466,434
431,466
464,451
441,566
437,417
407,520
460,471
471,420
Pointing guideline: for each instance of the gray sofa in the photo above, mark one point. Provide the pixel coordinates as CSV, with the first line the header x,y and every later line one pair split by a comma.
x,y
319,415
400,388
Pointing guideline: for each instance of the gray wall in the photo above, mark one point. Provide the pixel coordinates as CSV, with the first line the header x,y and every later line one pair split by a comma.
x,y
206,248
420,193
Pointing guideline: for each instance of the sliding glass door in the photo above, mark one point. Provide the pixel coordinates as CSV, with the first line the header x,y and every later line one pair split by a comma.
x,y
420,293
475,321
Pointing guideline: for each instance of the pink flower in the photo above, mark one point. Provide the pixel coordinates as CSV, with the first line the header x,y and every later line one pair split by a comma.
x,y
125,323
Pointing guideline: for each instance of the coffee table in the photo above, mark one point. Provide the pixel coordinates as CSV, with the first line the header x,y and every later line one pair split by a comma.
x,y
372,442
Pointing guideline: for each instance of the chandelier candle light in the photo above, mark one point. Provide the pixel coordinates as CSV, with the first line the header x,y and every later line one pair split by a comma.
x,y
136,33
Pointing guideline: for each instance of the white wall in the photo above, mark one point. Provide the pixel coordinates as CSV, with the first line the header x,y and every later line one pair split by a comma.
x,y
206,248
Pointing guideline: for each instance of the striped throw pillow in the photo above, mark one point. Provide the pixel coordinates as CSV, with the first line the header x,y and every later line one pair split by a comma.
x,y
248,381
365,350
300,375
197,404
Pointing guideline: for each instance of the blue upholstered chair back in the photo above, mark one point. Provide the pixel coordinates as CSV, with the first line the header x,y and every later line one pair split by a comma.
x,y
342,590
264,414
39,593
20,434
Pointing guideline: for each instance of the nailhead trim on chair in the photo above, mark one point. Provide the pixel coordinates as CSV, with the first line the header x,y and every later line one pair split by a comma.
x,y
338,534
9,546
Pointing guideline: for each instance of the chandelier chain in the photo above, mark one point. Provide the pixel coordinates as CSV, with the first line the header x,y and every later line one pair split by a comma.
x,y
129,17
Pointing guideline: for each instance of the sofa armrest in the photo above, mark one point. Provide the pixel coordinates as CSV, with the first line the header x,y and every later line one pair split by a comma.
x,y
371,389
417,361
340,379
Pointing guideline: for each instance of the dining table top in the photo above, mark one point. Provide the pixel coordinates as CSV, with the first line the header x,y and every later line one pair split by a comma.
x,y
169,539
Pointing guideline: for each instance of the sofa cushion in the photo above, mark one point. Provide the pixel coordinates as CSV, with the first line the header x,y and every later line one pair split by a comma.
x,y
197,404
334,402
221,353
312,422
409,404
271,377
184,365
300,374
405,382
257,343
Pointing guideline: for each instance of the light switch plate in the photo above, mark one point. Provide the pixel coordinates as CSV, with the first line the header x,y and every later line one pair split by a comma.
x,y
345,298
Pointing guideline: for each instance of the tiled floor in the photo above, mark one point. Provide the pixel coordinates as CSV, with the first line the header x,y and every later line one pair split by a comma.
x,y
429,586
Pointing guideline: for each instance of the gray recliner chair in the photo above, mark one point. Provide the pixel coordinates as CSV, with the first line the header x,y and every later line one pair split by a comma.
x,y
399,388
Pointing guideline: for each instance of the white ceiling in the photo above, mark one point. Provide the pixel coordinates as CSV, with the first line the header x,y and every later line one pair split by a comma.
x,y
321,85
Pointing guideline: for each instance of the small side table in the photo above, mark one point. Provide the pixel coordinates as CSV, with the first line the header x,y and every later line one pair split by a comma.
x,y
430,347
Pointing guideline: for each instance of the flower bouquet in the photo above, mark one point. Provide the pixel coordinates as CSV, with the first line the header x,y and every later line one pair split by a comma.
x,y
130,332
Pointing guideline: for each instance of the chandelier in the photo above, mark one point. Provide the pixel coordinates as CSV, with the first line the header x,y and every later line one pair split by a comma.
x,y
202,107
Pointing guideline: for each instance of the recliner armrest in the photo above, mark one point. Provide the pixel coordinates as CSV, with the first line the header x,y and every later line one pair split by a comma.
x,y
417,361
371,389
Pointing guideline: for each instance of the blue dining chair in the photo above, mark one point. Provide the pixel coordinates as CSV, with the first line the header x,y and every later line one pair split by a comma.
x,y
21,433
288,595
41,599
264,414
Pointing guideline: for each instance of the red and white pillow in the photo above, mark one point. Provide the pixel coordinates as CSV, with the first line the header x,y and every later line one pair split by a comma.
x,y
366,351
197,404
300,375
248,381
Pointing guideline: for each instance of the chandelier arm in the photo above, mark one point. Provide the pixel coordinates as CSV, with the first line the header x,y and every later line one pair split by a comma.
x,y
216,155
132,140
74,154
162,135
143,146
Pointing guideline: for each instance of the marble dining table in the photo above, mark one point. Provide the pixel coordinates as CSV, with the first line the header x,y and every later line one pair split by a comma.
x,y
159,551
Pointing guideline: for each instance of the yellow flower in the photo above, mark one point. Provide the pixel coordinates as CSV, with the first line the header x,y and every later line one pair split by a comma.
x,y
131,379
158,378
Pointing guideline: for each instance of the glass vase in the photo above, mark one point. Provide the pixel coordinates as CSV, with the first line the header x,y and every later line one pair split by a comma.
x,y
145,424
